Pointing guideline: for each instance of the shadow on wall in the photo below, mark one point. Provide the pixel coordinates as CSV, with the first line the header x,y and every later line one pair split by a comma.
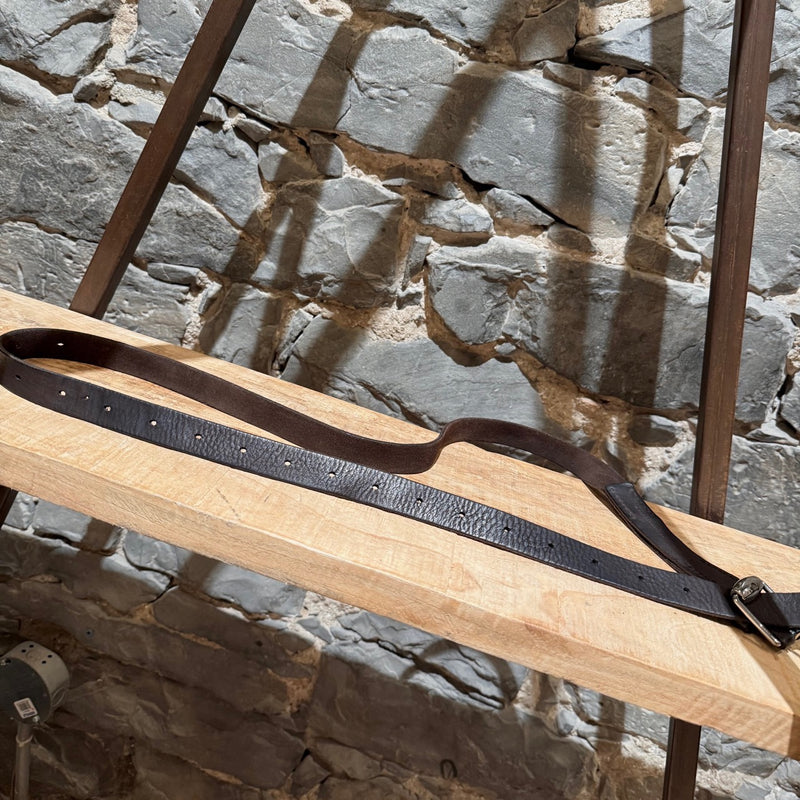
x,y
581,302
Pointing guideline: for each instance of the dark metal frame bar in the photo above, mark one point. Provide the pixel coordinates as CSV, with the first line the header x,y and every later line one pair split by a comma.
x,y
190,92
748,81
741,158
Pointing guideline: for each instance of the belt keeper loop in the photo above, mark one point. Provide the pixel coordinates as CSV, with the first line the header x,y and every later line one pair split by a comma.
x,y
743,592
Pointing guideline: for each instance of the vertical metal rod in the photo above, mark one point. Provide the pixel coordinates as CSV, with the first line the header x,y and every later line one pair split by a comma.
x,y
22,762
738,191
201,69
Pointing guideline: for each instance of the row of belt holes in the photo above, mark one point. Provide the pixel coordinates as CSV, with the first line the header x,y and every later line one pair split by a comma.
x,y
332,474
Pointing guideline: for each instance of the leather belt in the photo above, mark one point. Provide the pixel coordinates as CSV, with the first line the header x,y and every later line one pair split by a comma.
x,y
368,471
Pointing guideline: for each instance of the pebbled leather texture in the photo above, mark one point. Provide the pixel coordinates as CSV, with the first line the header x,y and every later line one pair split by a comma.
x,y
368,471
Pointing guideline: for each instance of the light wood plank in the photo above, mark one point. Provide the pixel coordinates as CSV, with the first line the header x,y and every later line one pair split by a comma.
x,y
621,645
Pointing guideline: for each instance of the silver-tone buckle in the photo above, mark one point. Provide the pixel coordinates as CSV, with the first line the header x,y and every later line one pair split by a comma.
x,y
745,591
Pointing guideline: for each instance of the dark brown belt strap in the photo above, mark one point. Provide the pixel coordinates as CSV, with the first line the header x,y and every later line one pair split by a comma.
x,y
333,461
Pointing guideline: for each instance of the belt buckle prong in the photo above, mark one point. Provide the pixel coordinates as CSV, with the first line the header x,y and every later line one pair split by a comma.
x,y
746,590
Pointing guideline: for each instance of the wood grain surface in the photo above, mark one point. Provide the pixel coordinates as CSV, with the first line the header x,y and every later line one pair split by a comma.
x,y
615,643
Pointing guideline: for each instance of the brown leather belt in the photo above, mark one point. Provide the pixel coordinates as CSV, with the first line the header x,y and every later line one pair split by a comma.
x,y
329,460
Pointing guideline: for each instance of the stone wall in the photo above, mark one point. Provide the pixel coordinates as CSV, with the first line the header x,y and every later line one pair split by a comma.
x,y
496,207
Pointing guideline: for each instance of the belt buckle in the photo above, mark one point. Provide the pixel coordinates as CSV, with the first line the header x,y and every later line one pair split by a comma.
x,y
746,590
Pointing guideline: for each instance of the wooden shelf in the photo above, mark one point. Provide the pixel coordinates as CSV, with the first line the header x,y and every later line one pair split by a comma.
x,y
615,643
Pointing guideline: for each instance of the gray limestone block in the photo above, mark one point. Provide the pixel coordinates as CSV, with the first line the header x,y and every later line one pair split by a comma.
x,y
68,174
165,32
548,36
433,178
309,774
511,207
254,593
334,240
149,306
72,52
464,22
775,265
253,129
48,266
64,164
654,430
568,75
173,273
659,258
374,708
762,497
101,79
345,761
570,238
55,37
268,641
415,256
790,405
288,58
76,528
214,111
327,157
186,722
139,116
599,718
164,777
188,230
452,669
401,90
458,216
720,751
378,788
21,514
412,379
688,44
684,114
684,43
611,331
88,575
469,285
244,683
243,326
279,165
411,95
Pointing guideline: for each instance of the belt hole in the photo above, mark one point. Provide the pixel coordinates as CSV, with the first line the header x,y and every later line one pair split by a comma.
x,y
332,474
640,577
287,463
59,344
375,487
506,529
198,436
242,450
153,422
419,501
686,589
461,515
85,397
107,408
550,544
594,561
18,377
62,393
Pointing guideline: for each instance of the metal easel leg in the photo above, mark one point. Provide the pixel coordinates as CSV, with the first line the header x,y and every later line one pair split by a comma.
x,y
741,162
208,55
681,770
